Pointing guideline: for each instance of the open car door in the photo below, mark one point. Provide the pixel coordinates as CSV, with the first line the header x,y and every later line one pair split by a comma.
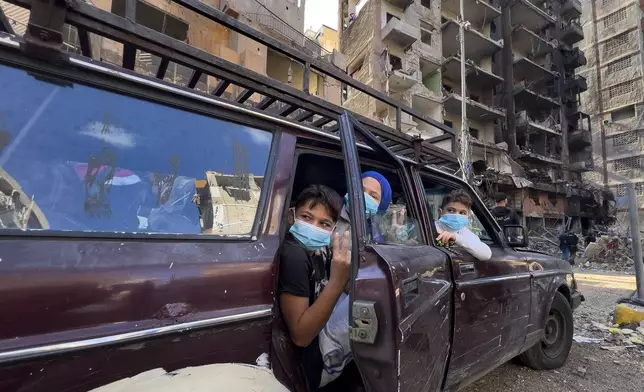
x,y
401,295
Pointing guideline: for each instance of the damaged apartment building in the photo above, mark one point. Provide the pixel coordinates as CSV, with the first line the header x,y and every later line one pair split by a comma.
x,y
529,137
615,98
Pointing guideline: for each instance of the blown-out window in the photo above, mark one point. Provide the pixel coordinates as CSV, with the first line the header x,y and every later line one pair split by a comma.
x,y
75,158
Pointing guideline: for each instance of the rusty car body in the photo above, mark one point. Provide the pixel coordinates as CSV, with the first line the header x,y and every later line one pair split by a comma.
x,y
108,271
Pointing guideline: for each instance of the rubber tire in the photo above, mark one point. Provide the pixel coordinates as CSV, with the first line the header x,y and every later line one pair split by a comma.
x,y
535,357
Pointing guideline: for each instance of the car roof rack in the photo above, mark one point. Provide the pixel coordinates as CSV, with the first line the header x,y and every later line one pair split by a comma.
x,y
44,39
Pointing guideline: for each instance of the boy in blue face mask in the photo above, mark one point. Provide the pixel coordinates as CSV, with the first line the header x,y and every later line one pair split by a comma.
x,y
452,225
307,295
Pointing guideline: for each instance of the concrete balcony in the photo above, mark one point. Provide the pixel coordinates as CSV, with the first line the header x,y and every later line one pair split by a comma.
x,y
476,76
477,45
586,165
400,33
525,69
476,111
574,58
530,156
400,80
572,32
428,58
531,44
477,12
576,85
523,12
525,98
400,3
579,139
570,9
528,125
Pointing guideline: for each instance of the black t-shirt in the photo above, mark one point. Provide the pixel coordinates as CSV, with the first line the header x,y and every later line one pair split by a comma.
x,y
505,216
304,275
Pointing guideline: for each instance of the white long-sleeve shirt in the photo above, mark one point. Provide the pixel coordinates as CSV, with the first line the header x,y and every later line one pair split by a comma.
x,y
470,242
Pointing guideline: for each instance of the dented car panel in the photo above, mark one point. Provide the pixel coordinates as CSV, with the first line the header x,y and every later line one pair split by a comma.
x,y
492,307
423,300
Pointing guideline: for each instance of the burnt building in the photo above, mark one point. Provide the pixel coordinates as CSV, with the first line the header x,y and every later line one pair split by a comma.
x,y
614,101
528,134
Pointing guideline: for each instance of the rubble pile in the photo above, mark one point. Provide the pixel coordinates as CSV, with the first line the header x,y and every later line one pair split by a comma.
x,y
610,336
609,252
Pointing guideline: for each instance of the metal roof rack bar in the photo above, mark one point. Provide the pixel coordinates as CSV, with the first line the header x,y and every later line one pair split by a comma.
x,y
89,19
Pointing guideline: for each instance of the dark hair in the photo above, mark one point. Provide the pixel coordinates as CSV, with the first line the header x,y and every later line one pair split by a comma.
x,y
500,196
316,194
458,196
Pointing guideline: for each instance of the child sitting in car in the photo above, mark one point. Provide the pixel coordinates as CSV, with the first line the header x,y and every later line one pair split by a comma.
x,y
307,294
452,225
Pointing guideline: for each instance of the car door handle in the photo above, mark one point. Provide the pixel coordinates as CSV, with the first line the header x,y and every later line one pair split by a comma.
x,y
410,290
466,268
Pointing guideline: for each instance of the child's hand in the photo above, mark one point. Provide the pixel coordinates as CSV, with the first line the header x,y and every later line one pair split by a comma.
x,y
341,261
446,237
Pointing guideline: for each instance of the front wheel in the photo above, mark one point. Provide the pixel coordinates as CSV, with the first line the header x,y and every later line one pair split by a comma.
x,y
552,350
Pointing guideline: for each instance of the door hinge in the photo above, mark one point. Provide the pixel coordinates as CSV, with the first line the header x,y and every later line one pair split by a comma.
x,y
365,321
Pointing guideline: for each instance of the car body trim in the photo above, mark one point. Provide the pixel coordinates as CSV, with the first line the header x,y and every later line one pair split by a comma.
x,y
58,348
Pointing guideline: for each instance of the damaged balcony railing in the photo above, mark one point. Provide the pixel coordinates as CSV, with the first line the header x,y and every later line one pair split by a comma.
x,y
299,106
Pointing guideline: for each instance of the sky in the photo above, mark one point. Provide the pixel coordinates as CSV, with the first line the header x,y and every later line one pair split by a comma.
x,y
319,12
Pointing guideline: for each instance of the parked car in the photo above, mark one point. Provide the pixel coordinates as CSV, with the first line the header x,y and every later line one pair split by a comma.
x,y
141,224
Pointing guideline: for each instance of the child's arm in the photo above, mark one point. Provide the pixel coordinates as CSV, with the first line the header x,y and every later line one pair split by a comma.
x,y
473,245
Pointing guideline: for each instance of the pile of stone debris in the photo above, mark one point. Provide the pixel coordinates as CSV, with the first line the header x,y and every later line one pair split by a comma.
x,y
610,251
612,338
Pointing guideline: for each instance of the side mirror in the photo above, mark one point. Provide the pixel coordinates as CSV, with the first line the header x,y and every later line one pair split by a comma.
x,y
516,236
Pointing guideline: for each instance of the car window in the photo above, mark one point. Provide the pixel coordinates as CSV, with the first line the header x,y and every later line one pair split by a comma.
x,y
434,195
398,225
477,228
75,158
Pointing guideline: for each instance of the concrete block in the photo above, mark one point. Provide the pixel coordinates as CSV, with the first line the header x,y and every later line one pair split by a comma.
x,y
339,60
627,314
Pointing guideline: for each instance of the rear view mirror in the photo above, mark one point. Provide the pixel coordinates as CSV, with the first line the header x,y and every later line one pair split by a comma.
x,y
516,236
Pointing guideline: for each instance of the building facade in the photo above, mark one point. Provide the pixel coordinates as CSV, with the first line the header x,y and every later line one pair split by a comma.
x,y
528,135
615,98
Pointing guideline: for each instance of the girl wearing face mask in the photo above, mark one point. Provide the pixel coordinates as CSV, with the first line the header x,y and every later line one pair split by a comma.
x,y
452,226
377,197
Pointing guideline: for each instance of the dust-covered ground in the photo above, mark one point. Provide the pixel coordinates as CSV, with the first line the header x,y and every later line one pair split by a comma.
x,y
615,367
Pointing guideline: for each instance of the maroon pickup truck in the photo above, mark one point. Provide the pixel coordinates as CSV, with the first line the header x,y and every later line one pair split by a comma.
x,y
141,222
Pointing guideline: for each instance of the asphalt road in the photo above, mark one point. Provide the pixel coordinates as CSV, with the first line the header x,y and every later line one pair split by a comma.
x,y
589,367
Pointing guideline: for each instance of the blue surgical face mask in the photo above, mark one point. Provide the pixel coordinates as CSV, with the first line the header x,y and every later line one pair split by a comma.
x,y
312,237
371,205
454,222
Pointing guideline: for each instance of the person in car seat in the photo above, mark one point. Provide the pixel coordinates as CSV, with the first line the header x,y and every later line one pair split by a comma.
x,y
377,197
307,294
452,227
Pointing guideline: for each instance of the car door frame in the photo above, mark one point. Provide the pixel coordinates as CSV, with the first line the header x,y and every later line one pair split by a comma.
x,y
417,311
466,366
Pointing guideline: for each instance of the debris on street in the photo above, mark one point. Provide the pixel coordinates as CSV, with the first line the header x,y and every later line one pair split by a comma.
x,y
611,251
